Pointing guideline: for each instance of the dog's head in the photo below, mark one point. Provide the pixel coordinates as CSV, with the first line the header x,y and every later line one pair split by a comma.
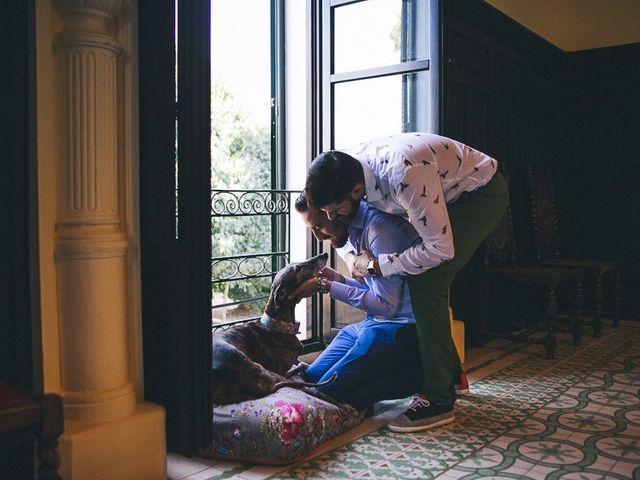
x,y
286,281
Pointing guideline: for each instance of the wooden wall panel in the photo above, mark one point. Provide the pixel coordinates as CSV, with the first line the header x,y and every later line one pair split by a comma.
x,y
16,364
455,101
603,178
522,100
477,119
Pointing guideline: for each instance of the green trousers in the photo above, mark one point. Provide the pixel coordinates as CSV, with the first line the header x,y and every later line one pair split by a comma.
x,y
472,217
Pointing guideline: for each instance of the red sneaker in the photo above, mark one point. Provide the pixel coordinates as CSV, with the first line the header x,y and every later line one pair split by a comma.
x,y
462,384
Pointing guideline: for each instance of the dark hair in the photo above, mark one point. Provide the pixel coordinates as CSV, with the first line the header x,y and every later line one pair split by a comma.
x,y
301,203
331,177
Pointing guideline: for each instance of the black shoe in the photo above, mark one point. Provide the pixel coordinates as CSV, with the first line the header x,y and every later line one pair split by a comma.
x,y
422,415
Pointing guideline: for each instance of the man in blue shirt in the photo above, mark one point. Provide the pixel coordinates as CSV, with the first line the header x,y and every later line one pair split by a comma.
x,y
377,358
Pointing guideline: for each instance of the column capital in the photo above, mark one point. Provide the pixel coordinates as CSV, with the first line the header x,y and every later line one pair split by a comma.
x,y
88,15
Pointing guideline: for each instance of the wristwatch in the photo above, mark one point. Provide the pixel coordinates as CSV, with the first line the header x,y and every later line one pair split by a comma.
x,y
322,285
371,267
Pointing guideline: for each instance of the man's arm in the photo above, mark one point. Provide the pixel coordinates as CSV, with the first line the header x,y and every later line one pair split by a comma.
x,y
420,193
383,296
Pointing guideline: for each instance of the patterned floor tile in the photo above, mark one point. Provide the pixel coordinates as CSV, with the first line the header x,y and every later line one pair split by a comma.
x,y
576,417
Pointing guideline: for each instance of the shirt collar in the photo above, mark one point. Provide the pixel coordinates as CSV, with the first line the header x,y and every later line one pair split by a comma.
x,y
370,183
356,225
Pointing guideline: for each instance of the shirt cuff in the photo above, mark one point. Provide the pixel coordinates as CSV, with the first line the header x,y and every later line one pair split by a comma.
x,y
390,264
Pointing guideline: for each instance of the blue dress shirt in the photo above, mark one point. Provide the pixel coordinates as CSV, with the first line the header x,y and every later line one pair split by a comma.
x,y
385,299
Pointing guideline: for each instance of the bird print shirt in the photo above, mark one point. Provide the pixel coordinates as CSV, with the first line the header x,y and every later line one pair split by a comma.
x,y
415,175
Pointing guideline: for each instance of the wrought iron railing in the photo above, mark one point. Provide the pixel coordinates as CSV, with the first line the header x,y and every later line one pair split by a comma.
x,y
225,203
247,266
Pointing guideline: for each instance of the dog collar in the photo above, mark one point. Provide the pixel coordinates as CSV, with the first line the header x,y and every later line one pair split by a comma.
x,y
271,323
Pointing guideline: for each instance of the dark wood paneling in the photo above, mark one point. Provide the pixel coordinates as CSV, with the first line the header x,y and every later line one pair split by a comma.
x,y
602,92
501,88
15,285
455,102
517,97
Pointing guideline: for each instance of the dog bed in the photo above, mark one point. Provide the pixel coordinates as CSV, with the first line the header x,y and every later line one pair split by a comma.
x,y
276,429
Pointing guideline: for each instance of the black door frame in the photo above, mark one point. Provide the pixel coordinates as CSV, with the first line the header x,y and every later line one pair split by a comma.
x,y
175,216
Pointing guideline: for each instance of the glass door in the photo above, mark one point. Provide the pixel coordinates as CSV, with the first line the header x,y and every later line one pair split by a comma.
x,y
251,207
377,78
244,208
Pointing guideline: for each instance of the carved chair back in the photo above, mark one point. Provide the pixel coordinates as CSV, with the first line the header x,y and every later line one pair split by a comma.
x,y
544,220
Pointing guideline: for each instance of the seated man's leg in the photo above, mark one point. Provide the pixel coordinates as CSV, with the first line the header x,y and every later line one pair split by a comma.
x,y
394,383
336,350
374,353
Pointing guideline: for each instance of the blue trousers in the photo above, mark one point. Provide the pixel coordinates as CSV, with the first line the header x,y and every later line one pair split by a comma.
x,y
374,361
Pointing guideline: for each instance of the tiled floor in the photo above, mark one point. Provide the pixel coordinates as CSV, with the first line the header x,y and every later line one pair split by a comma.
x,y
575,417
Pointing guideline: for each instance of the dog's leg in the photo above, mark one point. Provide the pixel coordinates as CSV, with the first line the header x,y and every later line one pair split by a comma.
x,y
300,367
323,396
249,379
297,384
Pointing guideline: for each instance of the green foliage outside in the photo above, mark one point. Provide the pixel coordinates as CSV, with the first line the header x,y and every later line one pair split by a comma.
x,y
241,159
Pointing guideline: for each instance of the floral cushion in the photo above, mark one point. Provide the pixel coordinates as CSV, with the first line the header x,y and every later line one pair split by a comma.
x,y
278,428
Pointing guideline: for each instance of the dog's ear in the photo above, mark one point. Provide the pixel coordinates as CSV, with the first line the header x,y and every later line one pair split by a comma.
x,y
278,294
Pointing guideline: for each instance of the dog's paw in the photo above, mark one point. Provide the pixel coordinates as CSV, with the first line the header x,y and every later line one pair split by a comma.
x,y
298,368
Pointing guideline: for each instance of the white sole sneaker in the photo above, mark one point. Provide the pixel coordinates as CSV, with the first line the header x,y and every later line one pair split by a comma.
x,y
444,419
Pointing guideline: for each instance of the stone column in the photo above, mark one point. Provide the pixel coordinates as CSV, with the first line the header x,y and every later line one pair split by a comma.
x,y
90,244
88,239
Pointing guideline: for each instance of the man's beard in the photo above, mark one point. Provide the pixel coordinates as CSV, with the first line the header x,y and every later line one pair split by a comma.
x,y
339,242
346,219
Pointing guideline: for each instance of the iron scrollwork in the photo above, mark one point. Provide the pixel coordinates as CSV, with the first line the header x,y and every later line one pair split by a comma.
x,y
237,268
240,267
234,203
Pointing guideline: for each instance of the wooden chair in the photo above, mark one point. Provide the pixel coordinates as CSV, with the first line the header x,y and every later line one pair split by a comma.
x,y
546,246
505,275
30,426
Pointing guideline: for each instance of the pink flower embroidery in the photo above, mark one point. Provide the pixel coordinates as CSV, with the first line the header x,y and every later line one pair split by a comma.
x,y
291,418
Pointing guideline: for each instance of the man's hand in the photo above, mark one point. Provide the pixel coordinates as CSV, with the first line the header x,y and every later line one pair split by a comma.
x,y
350,260
304,290
360,263
332,275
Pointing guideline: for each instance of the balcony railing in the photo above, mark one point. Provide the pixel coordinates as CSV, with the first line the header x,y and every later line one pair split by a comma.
x,y
249,273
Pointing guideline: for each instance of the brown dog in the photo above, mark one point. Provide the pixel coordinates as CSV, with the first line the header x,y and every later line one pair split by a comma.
x,y
254,359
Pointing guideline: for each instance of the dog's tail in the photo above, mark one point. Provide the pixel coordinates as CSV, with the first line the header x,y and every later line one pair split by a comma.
x,y
299,384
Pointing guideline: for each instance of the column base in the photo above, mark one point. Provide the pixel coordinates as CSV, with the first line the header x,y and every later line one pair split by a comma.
x,y
132,447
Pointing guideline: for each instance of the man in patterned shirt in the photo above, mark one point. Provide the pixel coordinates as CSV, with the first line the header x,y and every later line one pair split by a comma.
x,y
453,195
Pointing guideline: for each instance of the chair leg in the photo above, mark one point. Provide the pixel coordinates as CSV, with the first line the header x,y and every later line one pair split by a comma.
x,y
551,314
597,306
577,314
616,306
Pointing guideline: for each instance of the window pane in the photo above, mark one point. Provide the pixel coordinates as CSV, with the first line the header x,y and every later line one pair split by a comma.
x,y
240,156
376,33
241,94
367,109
